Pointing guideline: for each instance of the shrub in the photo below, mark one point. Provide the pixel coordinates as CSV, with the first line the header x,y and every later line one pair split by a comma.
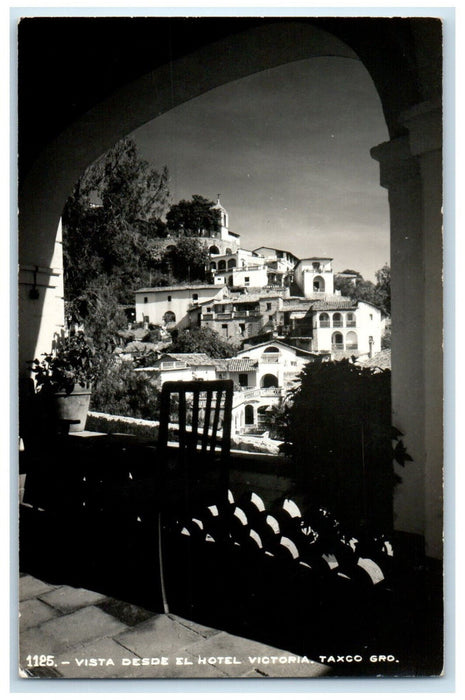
x,y
338,431
124,392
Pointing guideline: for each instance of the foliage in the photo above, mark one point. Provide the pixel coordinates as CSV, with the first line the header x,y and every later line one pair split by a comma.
x,y
111,224
195,217
73,361
188,260
122,391
378,294
386,339
338,431
202,340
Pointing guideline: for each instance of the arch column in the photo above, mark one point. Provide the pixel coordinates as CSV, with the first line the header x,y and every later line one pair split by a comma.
x,y
411,169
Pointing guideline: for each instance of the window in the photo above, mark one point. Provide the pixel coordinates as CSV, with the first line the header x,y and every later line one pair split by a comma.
x,y
247,280
371,317
209,308
243,379
249,417
169,297
146,300
324,320
224,328
337,320
268,305
195,297
242,328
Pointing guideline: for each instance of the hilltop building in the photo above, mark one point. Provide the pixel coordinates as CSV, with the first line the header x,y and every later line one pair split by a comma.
x,y
169,306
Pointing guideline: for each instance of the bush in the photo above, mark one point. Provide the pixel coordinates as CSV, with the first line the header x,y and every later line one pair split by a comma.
x,y
124,392
338,431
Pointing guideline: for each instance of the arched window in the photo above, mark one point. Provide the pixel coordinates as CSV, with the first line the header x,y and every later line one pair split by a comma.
x,y
271,348
337,320
228,251
213,265
214,250
318,284
324,320
337,341
222,265
249,415
231,263
230,280
351,341
350,320
169,318
268,380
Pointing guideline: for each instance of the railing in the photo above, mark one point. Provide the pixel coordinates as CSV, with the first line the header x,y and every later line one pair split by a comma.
x,y
351,324
352,346
224,316
324,324
271,391
269,360
337,324
338,346
207,317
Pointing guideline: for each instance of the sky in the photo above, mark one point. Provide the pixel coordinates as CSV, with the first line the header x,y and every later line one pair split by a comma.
x,y
288,149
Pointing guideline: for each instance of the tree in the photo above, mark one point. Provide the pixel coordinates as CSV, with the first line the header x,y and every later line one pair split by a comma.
x,y
383,288
378,294
202,340
111,223
196,217
189,260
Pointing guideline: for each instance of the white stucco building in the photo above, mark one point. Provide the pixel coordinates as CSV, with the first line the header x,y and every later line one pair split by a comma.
x,y
169,306
314,277
344,327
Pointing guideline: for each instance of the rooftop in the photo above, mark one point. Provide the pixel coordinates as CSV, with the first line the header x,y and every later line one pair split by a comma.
x,y
190,358
179,287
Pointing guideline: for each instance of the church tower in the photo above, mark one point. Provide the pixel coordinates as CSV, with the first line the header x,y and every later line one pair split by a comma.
x,y
224,220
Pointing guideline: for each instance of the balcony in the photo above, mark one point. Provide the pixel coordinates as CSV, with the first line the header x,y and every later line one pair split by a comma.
x,y
351,324
325,324
338,324
337,346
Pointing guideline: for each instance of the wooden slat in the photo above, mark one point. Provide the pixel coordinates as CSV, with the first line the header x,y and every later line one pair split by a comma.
x,y
216,420
195,420
206,424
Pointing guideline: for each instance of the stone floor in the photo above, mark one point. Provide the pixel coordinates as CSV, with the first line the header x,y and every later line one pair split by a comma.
x,y
75,633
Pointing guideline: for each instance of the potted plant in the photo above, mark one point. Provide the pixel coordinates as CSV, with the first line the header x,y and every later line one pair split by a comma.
x,y
63,380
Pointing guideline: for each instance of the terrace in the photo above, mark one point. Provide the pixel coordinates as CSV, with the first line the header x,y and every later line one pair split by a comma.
x,y
95,496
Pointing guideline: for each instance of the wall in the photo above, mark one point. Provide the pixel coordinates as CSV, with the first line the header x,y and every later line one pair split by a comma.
x,y
158,304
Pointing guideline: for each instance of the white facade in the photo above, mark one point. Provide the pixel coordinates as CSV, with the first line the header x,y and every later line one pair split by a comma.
x,y
185,367
256,276
356,328
314,277
169,306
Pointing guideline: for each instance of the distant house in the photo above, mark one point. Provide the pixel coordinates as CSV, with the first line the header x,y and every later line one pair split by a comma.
x,y
182,366
169,306
263,375
314,277
346,327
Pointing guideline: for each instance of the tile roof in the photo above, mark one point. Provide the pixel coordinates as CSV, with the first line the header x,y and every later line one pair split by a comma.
x,y
342,303
178,287
241,364
190,358
380,360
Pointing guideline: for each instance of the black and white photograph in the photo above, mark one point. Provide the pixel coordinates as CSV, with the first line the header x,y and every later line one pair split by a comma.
x,y
230,356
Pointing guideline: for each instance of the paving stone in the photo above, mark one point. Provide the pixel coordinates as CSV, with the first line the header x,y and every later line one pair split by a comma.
x,y
125,612
81,626
36,641
33,612
107,649
251,656
202,630
159,636
66,598
31,587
